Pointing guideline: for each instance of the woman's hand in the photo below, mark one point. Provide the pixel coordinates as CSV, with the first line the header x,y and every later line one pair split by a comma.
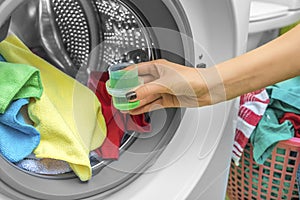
x,y
169,85
172,85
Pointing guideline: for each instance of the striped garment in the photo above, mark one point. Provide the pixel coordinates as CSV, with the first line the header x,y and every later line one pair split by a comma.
x,y
252,107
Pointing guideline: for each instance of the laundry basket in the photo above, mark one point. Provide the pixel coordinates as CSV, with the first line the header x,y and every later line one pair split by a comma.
x,y
275,179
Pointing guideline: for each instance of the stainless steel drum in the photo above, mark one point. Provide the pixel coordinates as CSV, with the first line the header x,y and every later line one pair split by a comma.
x,y
79,36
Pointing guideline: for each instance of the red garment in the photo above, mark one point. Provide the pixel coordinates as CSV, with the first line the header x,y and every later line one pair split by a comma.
x,y
252,107
294,119
117,123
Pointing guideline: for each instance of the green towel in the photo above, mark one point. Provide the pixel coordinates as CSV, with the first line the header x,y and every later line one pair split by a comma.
x,y
18,81
284,97
268,133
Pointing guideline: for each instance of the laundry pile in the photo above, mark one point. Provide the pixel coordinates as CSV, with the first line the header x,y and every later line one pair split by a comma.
x,y
252,108
49,122
267,120
266,117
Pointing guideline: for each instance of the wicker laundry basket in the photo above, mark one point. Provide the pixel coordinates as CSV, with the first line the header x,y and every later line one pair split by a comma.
x,y
275,179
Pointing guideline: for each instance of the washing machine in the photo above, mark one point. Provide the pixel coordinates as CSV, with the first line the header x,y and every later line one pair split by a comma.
x,y
267,17
187,153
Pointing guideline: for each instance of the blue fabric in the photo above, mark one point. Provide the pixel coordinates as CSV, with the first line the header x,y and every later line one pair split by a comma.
x,y
2,59
284,97
17,138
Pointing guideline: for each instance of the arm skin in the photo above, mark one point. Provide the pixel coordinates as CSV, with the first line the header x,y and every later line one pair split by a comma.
x,y
172,85
273,62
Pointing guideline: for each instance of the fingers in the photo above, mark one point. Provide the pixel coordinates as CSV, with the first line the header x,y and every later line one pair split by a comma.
x,y
148,78
149,99
145,91
147,68
155,105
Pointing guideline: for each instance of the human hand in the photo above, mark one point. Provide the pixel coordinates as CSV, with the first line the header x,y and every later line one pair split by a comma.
x,y
169,85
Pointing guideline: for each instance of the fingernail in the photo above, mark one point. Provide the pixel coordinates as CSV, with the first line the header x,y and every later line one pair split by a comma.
x,y
131,96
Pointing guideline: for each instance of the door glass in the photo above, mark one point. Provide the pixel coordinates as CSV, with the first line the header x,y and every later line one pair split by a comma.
x,y
80,37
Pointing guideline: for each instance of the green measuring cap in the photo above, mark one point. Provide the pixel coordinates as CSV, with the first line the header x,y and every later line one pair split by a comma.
x,y
121,81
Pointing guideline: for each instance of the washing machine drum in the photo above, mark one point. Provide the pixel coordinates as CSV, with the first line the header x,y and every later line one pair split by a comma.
x,y
90,34
80,36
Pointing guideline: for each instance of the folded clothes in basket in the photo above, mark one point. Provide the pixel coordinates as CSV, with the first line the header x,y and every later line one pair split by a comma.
x,y
117,123
252,107
284,98
17,138
18,81
68,115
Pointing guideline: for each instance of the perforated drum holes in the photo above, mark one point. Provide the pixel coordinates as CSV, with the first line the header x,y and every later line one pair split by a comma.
x,y
124,39
112,26
74,31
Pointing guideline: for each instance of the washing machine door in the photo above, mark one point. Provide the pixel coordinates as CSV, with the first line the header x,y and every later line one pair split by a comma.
x,y
187,154
113,31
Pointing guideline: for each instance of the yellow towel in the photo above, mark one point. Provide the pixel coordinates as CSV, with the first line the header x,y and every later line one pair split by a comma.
x,y
68,115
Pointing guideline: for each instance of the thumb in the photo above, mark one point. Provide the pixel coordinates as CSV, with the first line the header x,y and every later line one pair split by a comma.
x,y
146,90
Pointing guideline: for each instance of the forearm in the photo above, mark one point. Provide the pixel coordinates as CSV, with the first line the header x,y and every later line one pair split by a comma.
x,y
173,85
274,62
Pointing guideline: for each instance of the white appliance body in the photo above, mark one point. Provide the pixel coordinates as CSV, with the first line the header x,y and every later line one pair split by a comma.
x,y
195,163
267,17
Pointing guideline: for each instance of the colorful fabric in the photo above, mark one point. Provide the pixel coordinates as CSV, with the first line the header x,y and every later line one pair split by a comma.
x,y
17,138
68,115
2,59
267,134
294,121
18,81
252,107
117,122
284,98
